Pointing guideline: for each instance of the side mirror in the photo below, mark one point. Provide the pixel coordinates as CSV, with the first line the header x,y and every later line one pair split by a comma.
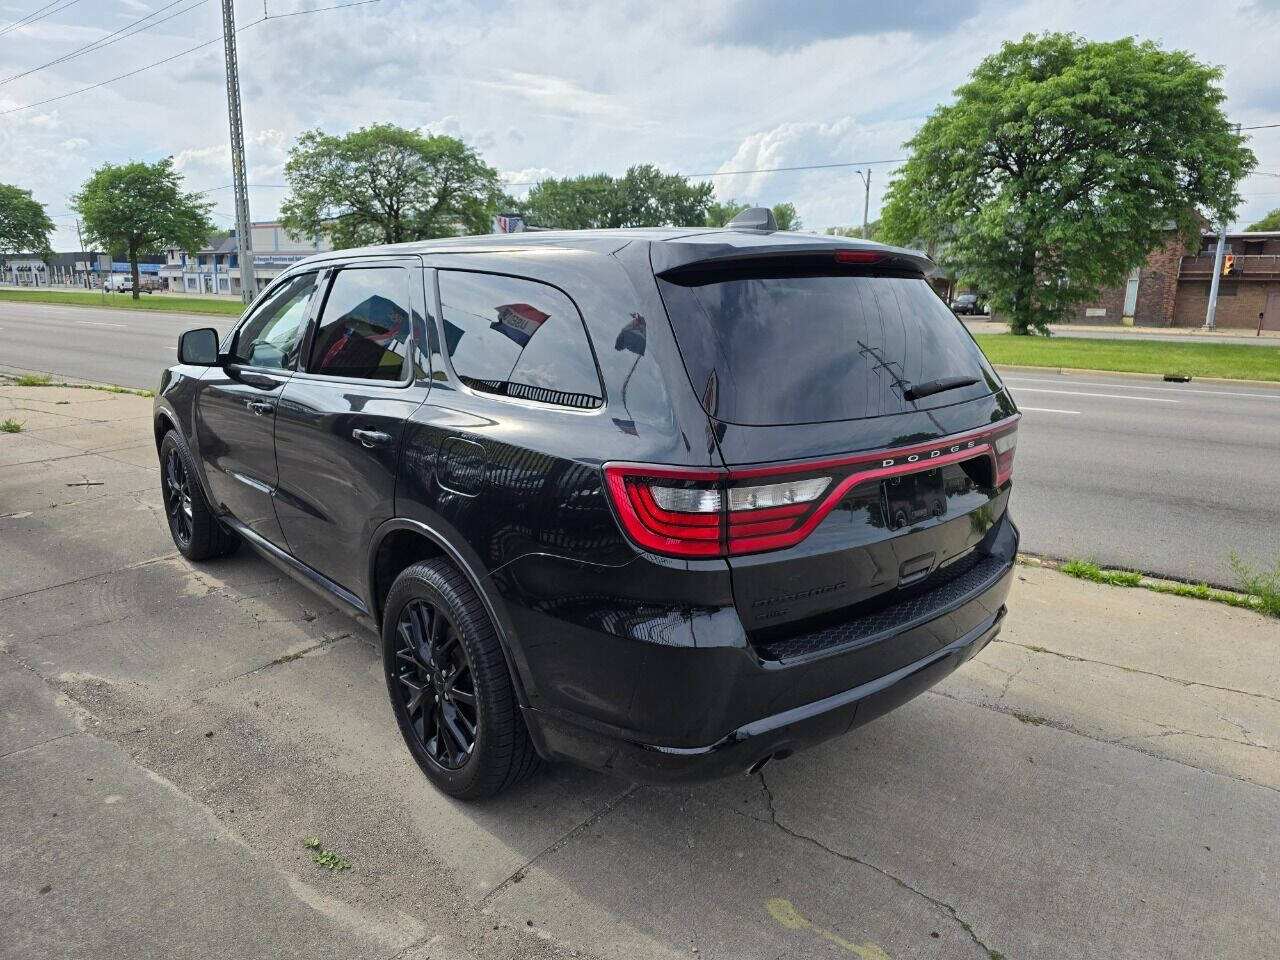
x,y
199,347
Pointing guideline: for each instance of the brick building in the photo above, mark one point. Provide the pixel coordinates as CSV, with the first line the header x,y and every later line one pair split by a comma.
x,y
1172,288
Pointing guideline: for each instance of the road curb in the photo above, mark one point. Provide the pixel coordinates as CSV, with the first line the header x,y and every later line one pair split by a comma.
x,y
1088,372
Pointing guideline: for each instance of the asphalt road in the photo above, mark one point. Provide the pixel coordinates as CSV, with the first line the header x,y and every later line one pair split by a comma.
x,y
1160,477
1126,471
101,344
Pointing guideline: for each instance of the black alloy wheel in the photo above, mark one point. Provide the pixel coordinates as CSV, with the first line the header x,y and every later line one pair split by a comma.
x,y
435,685
177,498
450,685
196,531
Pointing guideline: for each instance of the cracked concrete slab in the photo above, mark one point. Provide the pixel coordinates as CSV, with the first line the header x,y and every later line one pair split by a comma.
x,y
99,859
57,545
1177,703
31,712
132,641
1050,844
71,479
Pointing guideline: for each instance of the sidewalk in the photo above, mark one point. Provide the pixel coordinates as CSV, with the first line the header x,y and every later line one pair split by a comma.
x,y
1102,780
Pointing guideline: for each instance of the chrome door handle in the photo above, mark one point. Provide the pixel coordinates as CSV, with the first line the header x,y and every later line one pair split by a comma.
x,y
260,408
371,438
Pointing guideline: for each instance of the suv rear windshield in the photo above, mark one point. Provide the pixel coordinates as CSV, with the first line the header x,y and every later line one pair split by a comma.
x,y
776,344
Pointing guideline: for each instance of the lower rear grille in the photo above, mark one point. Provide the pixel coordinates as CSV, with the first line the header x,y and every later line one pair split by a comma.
x,y
945,589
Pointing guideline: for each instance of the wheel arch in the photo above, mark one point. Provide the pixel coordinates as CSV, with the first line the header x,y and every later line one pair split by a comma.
x,y
401,541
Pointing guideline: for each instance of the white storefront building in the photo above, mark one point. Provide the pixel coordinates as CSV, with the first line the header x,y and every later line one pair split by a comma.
x,y
216,268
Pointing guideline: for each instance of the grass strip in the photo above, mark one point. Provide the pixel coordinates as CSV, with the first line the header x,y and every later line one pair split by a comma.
x,y
160,303
1260,588
33,380
1230,361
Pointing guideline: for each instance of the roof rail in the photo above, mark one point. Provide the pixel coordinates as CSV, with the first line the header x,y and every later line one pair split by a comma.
x,y
754,218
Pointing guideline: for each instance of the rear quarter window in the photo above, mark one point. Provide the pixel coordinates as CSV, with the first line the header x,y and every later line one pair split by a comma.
x,y
771,345
513,337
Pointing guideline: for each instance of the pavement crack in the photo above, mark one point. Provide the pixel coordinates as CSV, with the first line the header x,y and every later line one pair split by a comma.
x,y
92,576
518,874
1147,673
941,905
1124,743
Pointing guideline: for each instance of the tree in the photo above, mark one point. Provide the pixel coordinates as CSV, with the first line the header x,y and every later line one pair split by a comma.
x,y
873,228
1270,222
786,216
24,226
386,184
721,212
140,208
643,197
1061,165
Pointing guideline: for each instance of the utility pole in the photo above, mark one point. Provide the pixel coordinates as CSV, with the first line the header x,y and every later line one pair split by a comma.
x,y
83,255
244,227
1217,268
866,200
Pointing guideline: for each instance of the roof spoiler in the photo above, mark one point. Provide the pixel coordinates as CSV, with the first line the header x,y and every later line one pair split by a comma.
x,y
717,250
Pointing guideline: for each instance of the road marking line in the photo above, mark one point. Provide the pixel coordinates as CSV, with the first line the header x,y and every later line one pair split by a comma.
x,y
1047,410
1105,396
99,323
1134,386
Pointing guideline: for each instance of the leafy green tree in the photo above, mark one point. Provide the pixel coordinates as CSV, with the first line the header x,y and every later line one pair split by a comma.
x,y
873,228
386,184
1061,165
1270,222
140,208
643,197
721,212
24,226
786,216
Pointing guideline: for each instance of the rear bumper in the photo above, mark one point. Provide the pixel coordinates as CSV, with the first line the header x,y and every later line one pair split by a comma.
x,y
779,734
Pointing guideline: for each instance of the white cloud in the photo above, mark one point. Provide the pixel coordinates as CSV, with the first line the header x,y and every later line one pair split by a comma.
x,y
571,86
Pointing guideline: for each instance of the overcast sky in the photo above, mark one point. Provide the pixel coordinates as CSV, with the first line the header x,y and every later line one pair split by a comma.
x,y
562,87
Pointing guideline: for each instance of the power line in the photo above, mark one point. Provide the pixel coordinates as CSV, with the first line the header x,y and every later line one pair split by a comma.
x,y
108,40
32,18
1262,126
730,173
182,53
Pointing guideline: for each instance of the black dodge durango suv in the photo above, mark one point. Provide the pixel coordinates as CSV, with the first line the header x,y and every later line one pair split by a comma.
x,y
666,502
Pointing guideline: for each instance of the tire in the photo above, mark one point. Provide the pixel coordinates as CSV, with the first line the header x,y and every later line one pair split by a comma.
x,y
449,685
196,532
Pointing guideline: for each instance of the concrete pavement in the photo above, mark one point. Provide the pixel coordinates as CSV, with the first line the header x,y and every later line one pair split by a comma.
x,y
1101,781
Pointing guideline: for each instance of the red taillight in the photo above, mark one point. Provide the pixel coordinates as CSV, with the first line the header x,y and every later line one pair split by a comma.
x,y
1005,444
858,256
714,513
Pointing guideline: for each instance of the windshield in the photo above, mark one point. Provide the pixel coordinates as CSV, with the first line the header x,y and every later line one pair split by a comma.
x,y
768,346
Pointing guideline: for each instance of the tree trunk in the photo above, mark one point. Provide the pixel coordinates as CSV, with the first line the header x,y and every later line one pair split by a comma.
x,y
133,269
1020,318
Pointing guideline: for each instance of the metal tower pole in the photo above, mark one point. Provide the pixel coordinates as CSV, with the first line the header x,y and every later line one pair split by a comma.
x,y
244,227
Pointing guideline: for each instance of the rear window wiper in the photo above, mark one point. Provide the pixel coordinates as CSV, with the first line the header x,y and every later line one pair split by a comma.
x,y
918,391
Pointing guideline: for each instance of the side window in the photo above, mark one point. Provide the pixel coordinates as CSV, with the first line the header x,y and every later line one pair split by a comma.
x,y
365,325
270,337
517,338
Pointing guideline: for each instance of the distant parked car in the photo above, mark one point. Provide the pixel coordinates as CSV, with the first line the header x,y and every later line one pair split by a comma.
x,y
966,303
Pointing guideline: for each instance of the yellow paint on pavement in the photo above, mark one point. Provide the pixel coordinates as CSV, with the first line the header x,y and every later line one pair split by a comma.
x,y
785,913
